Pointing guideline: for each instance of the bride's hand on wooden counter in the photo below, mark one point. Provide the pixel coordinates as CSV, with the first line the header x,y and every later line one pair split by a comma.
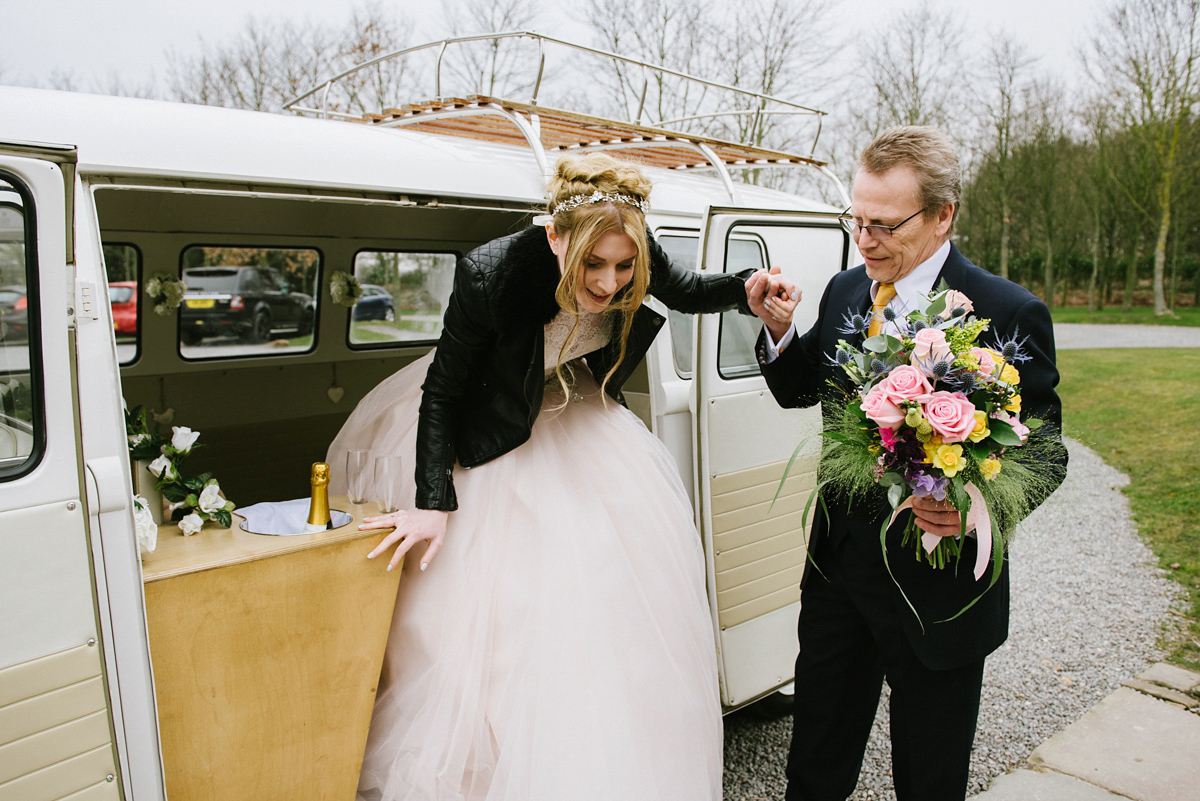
x,y
411,526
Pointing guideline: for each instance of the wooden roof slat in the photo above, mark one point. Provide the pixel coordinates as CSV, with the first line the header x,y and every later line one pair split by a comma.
x,y
569,130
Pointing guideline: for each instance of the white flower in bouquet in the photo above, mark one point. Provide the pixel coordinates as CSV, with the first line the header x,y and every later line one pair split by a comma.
x,y
164,468
190,524
344,288
154,286
137,439
183,438
210,499
143,524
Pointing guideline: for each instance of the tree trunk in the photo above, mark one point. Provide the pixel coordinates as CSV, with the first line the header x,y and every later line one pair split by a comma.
x,y
1095,265
1048,275
1004,226
1135,253
1160,262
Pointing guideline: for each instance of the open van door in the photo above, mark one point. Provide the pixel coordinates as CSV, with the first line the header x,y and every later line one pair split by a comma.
x,y
756,549
69,575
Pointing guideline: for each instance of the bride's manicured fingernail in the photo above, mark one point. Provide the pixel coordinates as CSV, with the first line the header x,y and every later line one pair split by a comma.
x,y
389,568
371,555
424,565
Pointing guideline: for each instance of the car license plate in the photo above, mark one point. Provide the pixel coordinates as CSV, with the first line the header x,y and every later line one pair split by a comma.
x,y
200,303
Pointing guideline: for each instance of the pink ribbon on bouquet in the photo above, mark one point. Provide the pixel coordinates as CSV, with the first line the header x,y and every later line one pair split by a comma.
x,y
978,518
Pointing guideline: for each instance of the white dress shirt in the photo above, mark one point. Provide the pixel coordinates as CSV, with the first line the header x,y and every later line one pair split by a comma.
x,y
909,291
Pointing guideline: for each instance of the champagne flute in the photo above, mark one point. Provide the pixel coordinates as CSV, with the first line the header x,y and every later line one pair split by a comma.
x,y
356,475
387,483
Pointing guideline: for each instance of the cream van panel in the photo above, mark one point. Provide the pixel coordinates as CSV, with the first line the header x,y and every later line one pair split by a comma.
x,y
55,739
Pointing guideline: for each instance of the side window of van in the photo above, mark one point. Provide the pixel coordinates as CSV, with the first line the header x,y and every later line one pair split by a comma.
x,y
404,297
683,250
247,301
20,387
744,250
123,264
738,332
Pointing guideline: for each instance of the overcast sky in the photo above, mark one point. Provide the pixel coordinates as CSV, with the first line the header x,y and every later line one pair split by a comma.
x,y
93,40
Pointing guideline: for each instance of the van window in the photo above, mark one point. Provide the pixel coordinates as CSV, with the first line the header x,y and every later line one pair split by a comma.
x,y
123,266
744,250
20,384
247,301
403,299
682,249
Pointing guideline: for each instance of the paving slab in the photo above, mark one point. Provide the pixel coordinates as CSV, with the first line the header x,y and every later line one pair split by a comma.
x,y
1132,745
1031,785
1176,678
1184,700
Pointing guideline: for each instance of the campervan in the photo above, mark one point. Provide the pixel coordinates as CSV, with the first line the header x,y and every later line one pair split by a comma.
x,y
111,675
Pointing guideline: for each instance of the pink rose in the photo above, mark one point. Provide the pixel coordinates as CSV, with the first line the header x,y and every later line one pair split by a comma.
x,y
951,415
929,348
1019,428
986,362
957,300
904,383
878,407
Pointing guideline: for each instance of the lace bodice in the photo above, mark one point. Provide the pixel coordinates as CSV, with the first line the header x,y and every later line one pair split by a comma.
x,y
594,332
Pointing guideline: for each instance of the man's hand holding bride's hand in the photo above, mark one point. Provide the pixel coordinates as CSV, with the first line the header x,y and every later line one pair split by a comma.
x,y
772,298
411,526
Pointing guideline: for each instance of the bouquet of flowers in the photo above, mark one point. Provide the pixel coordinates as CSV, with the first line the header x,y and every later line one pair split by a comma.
x,y
934,414
193,500
166,293
344,288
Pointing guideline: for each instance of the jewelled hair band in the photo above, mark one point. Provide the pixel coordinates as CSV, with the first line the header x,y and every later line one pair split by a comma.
x,y
575,201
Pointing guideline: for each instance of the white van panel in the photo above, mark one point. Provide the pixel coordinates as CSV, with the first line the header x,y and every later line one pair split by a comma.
x,y
45,582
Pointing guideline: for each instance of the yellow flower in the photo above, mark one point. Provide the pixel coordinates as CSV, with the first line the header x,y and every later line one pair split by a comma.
x,y
947,458
990,468
1013,405
1010,375
981,430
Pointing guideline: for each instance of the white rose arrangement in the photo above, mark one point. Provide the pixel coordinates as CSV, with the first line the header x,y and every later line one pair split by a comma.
x,y
194,500
344,288
166,293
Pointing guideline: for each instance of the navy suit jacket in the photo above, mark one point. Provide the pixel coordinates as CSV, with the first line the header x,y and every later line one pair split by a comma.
x,y
801,376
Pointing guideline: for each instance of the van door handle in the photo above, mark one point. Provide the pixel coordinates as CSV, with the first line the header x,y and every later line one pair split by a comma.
x,y
106,490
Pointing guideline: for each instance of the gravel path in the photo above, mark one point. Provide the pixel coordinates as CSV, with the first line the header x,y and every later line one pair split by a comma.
x,y
1087,609
1086,335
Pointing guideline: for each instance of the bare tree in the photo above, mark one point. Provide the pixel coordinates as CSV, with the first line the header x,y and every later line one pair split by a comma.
x,y
673,33
493,66
913,65
999,101
1145,54
273,60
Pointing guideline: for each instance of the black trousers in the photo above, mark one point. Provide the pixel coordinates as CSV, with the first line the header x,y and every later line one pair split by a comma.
x,y
850,641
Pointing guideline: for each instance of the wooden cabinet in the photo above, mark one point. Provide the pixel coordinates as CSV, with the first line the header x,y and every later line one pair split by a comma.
x,y
266,655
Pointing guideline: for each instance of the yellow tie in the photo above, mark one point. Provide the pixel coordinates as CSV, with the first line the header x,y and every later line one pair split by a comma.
x,y
883,296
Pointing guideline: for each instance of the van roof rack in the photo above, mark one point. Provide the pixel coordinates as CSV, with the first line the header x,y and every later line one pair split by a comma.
x,y
545,130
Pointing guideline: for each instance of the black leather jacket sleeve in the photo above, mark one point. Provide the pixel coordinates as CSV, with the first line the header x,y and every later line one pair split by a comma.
x,y
467,332
689,292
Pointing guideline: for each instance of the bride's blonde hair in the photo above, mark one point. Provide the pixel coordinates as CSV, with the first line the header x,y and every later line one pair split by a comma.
x,y
584,223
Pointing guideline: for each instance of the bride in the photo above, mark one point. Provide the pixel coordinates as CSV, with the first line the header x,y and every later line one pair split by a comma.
x,y
559,646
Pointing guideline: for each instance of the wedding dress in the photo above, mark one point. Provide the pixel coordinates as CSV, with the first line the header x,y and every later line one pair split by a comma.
x,y
559,646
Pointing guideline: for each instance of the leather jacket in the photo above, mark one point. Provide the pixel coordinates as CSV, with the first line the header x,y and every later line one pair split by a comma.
x,y
483,389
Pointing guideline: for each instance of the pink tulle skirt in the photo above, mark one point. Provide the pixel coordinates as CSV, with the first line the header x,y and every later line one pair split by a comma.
x,y
559,647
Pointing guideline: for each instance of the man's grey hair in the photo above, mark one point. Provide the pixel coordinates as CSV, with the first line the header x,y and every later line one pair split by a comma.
x,y
929,153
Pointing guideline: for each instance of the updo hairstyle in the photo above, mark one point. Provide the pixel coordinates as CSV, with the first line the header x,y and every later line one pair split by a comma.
x,y
585,224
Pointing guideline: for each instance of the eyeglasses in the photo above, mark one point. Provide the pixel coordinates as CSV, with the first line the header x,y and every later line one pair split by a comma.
x,y
880,233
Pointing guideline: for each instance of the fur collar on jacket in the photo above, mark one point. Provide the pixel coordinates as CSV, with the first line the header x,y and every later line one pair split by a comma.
x,y
525,279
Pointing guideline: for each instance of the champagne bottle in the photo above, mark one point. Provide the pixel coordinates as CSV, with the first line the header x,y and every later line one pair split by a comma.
x,y
319,518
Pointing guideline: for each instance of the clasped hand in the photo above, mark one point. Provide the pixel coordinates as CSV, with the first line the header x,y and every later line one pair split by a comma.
x,y
936,517
772,298
411,526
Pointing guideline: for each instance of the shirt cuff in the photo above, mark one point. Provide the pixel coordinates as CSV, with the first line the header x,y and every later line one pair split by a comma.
x,y
773,350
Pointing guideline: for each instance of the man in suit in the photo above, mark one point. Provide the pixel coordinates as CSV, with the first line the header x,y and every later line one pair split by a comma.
x,y
855,627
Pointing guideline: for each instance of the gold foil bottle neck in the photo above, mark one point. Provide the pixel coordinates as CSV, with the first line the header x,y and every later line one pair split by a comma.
x,y
318,505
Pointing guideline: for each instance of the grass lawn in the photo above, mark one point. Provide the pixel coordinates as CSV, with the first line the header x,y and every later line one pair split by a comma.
x,y
1139,409
1141,315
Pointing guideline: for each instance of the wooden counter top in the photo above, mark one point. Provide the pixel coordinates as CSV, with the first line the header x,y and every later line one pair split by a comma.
x,y
211,547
